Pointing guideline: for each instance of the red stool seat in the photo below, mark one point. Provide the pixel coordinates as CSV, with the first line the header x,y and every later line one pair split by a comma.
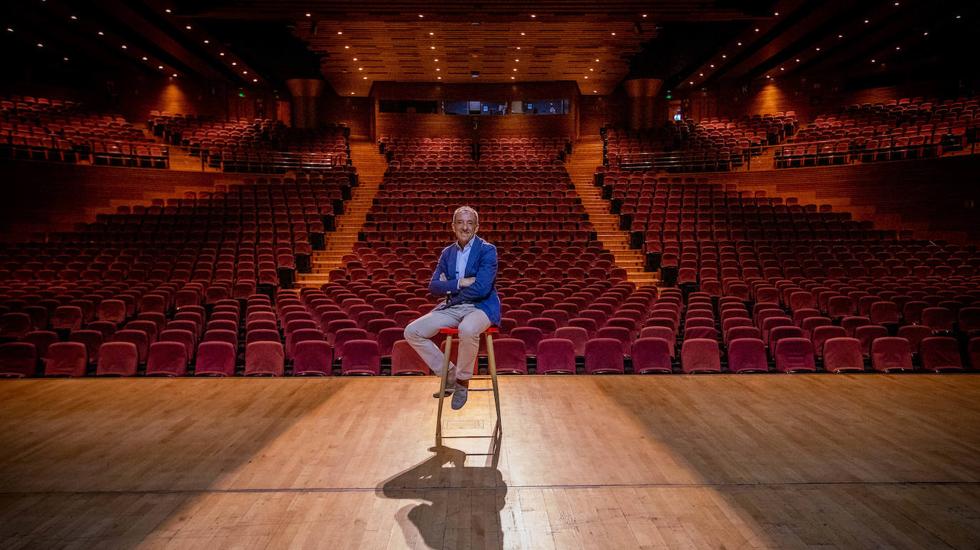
x,y
455,331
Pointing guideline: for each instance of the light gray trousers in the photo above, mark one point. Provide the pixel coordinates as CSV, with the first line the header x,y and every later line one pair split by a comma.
x,y
471,323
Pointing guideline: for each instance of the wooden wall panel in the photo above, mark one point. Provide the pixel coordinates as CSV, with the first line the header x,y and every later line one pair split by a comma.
x,y
403,124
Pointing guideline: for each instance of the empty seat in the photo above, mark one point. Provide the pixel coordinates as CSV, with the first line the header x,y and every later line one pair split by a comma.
x,y
604,355
556,356
264,358
65,359
652,355
66,318
700,355
312,358
867,335
215,358
18,359
510,356
113,311
973,352
940,354
795,355
361,357
822,334
843,355
167,358
747,355
577,335
14,326
938,319
117,359
92,340
531,336
891,354
884,313
137,338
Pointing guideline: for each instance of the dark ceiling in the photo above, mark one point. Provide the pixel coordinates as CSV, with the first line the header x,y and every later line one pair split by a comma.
x,y
691,45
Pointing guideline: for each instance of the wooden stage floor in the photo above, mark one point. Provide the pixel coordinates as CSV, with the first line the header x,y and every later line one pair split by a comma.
x,y
765,461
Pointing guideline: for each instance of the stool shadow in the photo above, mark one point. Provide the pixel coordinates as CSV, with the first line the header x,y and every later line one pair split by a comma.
x,y
462,503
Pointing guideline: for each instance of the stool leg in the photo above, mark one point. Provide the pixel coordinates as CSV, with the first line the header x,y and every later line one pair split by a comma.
x,y
492,364
442,387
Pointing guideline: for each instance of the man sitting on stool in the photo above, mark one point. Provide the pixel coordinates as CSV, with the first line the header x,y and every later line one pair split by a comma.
x,y
467,272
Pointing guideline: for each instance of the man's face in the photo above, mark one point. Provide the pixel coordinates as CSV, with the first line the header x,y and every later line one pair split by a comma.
x,y
465,226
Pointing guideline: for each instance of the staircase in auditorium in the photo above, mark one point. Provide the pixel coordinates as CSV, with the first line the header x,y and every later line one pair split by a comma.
x,y
586,155
370,170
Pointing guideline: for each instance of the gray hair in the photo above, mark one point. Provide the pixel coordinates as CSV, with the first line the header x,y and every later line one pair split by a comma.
x,y
467,209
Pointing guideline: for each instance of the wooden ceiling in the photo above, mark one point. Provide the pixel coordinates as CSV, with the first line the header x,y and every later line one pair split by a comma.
x,y
584,41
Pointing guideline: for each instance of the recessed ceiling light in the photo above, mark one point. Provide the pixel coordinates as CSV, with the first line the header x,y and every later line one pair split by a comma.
x,y
222,54
898,48
438,78
782,69
522,34
346,47
432,47
167,10
958,17
691,82
739,43
533,16
925,33
896,3
340,32
66,59
244,72
174,75
160,67
74,18
586,77
776,14
513,77
188,27
515,70
840,36
712,65
124,46
255,80
436,60
591,70
595,91
612,33
597,60
866,21
518,47
724,56
517,61
360,68
144,58
352,93
207,41
355,59
437,69
364,77
101,33
40,45
432,34
873,61
757,29
10,29
818,48
233,63
700,74
421,16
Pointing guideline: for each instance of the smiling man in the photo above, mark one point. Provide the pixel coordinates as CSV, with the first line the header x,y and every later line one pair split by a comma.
x,y
466,275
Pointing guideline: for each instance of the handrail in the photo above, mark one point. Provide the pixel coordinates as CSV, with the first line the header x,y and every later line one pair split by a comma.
x,y
268,161
112,151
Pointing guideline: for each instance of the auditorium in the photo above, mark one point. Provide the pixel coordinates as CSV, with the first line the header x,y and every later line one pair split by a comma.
x,y
561,274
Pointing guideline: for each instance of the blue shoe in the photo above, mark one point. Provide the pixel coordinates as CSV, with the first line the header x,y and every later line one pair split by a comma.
x,y
450,383
459,397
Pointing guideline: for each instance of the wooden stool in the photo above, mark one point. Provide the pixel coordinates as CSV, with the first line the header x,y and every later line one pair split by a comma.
x,y
488,334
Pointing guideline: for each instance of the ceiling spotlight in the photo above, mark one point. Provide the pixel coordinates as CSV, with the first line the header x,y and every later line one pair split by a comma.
x,y
757,29
222,54
74,18
432,34
533,16
421,16
244,72
898,48
188,27
612,33
255,80
739,43
896,4
586,77
10,29
355,59
591,70
872,60
207,41
432,47
517,61
340,32
595,91
522,34
797,59
308,14
234,63
700,74
691,82
782,69
352,93
167,10
101,33
440,78
174,75
513,77
958,17
346,47
724,56
437,69
644,16
712,65
925,33
597,60
66,59
144,58
124,46
515,70
436,60
364,78
362,68
818,48
776,14
866,21
40,45
840,36
160,67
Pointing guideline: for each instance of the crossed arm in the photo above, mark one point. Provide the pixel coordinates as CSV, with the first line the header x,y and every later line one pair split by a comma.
x,y
468,288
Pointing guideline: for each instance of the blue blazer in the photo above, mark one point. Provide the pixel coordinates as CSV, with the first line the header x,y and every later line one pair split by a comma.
x,y
481,264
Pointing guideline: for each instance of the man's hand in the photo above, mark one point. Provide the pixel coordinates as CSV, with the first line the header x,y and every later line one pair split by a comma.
x,y
442,277
467,281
